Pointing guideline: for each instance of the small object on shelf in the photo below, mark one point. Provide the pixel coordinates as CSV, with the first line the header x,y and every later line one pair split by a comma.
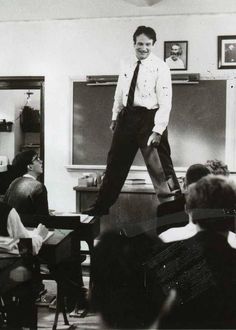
x,y
5,126
30,119
87,180
135,181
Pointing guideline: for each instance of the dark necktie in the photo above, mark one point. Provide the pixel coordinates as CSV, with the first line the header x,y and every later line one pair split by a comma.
x,y
130,100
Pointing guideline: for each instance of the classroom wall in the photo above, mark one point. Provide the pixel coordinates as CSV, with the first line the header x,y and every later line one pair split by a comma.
x,y
65,50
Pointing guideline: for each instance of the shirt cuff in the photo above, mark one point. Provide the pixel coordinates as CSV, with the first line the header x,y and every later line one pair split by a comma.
x,y
114,116
158,129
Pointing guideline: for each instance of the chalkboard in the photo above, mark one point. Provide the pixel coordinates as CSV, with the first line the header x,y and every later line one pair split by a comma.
x,y
196,127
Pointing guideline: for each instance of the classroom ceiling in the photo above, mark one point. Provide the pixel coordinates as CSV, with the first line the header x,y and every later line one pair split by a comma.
x,y
34,10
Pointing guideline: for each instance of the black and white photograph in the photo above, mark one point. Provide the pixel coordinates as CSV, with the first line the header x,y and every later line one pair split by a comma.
x,y
176,54
117,164
227,52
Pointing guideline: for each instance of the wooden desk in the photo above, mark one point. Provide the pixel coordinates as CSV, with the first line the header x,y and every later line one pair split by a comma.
x,y
135,205
58,247
84,231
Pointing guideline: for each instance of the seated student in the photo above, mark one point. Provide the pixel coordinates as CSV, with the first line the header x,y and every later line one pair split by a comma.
x,y
11,225
121,294
172,214
29,196
206,290
217,167
24,313
13,171
26,194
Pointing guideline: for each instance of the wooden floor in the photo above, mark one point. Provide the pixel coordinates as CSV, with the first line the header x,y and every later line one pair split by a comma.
x,y
46,315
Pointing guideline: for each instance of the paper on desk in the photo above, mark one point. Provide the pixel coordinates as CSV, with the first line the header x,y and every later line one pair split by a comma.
x,y
49,234
84,218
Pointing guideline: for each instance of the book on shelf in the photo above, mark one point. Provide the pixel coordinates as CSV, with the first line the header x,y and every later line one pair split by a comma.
x,y
135,181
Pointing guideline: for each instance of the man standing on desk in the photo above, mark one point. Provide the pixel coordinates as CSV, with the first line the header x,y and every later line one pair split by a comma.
x,y
140,117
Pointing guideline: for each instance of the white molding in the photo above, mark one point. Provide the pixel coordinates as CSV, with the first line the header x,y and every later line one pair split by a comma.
x,y
230,139
77,168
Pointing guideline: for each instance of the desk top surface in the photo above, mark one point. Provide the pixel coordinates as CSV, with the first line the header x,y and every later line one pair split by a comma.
x,y
138,188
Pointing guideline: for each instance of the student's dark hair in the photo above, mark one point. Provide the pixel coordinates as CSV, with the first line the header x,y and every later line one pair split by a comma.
x,y
148,31
212,201
22,160
120,293
195,172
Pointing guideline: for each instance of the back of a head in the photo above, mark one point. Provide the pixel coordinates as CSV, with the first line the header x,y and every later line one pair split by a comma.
x,y
22,160
212,193
195,172
119,293
217,167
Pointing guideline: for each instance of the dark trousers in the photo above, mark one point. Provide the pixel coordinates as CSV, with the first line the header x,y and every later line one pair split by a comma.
x,y
134,126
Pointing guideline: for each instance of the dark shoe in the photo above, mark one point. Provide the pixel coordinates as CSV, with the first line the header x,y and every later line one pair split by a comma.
x,y
78,301
95,211
173,193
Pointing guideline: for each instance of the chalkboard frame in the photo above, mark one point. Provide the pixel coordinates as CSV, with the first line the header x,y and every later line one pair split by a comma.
x,y
230,144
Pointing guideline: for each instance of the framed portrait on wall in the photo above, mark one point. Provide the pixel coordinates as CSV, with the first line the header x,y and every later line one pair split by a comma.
x,y
176,54
226,52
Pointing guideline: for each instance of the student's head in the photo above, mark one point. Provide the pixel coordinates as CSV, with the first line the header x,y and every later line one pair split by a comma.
x,y
217,167
144,38
211,201
175,51
27,162
120,294
195,172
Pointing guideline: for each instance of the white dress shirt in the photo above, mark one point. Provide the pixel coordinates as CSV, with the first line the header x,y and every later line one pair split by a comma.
x,y
188,231
153,89
16,229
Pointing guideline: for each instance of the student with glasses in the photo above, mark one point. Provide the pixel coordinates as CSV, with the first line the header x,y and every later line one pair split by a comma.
x,y
26,194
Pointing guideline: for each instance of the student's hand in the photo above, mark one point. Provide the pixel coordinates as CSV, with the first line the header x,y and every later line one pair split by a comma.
x,y
42,231
154,140
113,125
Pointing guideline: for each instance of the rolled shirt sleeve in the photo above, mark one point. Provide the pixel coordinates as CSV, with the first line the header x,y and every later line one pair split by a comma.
x,y
118,98
164,99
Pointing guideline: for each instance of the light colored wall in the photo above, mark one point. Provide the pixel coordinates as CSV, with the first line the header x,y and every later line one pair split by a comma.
x,y
62,50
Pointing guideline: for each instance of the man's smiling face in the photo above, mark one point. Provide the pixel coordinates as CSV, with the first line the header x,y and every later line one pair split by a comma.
x,y
143,46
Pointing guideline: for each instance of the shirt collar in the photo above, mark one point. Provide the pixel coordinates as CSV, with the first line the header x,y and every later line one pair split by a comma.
x,y
29,176
146,61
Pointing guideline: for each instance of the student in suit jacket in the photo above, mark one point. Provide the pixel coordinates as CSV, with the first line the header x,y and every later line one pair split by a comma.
x,y
206,296
29,196
26,194
172,214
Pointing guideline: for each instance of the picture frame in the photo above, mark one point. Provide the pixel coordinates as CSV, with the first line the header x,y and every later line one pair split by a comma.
x,y
176,54
227,52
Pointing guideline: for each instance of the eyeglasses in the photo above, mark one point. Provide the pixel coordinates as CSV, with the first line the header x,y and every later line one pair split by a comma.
x,y
36,158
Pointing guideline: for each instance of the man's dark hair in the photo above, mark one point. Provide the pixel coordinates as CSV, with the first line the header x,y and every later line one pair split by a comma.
x,y
120,293
22,160
148,31
196,172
